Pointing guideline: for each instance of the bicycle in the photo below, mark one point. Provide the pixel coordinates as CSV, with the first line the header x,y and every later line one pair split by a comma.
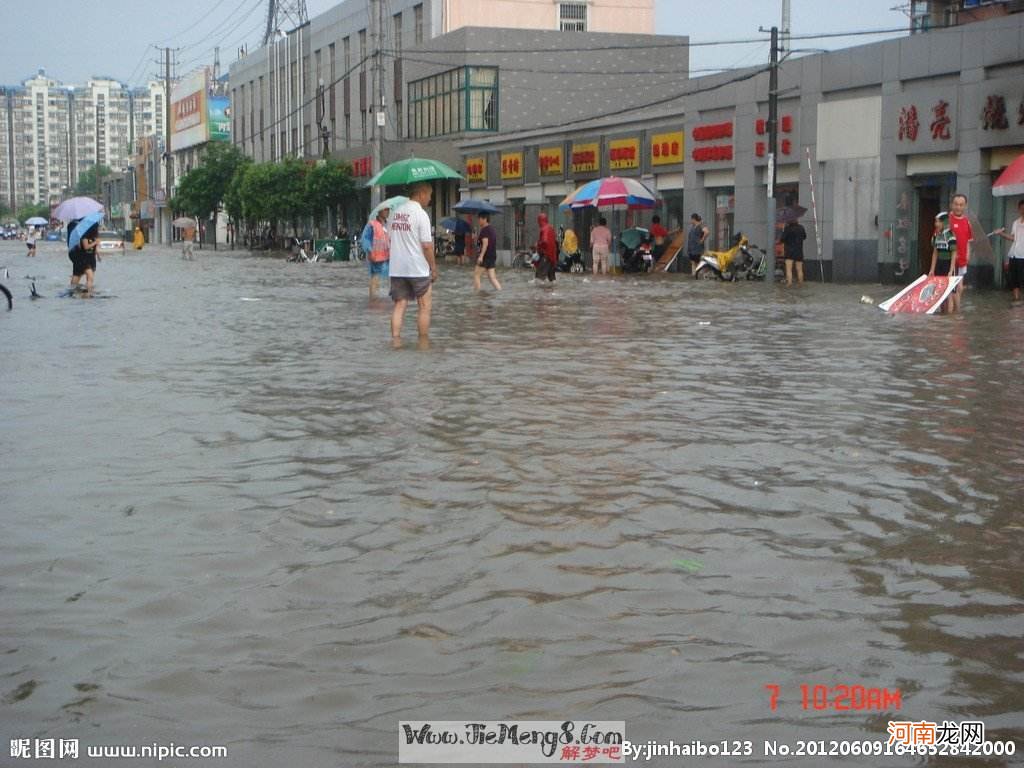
x,y
7,293
524,259
299,253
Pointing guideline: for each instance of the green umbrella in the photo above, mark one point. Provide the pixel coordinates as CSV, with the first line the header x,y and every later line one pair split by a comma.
x,y
391,203
412,170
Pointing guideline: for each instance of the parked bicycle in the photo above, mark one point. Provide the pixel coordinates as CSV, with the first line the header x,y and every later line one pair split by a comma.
x,y
299,254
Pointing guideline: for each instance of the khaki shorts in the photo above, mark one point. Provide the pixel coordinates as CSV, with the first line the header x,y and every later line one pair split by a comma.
x,y
407,288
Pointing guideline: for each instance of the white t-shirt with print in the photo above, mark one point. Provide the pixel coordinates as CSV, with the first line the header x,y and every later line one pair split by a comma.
x,y
409,226
1017,249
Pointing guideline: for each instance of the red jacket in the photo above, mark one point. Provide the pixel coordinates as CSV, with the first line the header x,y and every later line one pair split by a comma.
x,y
547,242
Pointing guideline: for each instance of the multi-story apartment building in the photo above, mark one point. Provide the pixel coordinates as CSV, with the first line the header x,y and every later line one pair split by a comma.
x,y
52,133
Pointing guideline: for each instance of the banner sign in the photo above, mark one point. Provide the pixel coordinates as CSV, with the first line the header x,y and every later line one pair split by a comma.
x,y
511,165
584,157
667,148
549,161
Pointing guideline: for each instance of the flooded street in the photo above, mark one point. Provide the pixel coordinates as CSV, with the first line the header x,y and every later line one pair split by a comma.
x,y
233,514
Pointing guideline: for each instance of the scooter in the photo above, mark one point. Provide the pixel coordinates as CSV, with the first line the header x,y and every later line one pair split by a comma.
x,y
571,262
742,261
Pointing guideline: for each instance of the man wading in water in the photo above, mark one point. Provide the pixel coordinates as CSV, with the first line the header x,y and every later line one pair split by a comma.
x,y
412,267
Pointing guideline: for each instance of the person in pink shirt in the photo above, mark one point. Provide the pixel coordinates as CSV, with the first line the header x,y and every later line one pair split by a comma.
x,y
601,245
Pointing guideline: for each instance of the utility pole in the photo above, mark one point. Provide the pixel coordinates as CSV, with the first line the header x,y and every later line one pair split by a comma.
x,y
168,157
377,192
773,142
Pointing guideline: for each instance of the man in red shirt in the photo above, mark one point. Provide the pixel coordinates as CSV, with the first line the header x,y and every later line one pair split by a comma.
x,y
961,226
659,233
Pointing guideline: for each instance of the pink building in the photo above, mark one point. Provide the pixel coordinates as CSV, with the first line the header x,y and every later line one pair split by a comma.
x,y
623,16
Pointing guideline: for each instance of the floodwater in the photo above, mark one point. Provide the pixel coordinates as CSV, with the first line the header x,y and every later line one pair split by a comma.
x,y
233,515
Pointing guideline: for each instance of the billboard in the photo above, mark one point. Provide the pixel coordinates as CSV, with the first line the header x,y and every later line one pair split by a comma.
x,y
189,116
219,118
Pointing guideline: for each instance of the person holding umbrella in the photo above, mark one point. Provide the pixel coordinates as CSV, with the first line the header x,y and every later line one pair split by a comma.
x,y
83,238
379,253
413,269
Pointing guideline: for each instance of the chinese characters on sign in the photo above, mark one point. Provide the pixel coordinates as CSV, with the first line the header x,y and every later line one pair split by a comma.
x,y
909,124
994,114
761,128
511,165
712,132
940,125
476,169
901,232
549,161
624,153
667,148
362,166
584,157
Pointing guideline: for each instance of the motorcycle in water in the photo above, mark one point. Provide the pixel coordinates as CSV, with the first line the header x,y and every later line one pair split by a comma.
x,y
741,261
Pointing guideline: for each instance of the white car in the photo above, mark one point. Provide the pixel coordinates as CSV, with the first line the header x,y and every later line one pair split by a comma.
x,y
110,241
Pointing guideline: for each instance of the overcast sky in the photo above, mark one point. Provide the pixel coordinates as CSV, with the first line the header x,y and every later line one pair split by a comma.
x,y
74,39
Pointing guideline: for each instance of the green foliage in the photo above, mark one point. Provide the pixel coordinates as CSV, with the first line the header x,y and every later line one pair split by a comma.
x,y
87,181
202,189
328,185
26,212
234,201
285,191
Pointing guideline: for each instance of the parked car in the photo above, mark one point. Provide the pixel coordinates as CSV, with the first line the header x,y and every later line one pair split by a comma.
x,y
53,237
110,241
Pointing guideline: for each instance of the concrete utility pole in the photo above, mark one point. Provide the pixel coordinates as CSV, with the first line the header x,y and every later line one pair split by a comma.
x,y
785,25
377,23
168,157
773,142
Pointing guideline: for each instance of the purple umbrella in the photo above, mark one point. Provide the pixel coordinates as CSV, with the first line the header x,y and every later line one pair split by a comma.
x,y
76,208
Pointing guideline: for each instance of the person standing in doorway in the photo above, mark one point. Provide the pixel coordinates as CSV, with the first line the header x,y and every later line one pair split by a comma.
x,y
487,247
658,233
600,246
547,249
380,251
696,237
961,226
793,236
413,269
1015,261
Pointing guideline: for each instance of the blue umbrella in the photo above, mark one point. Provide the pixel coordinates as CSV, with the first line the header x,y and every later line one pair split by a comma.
x,y
475,206
87,222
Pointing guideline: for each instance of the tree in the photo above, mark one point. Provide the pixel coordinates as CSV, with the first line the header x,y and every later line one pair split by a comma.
x,y
5,211
26,212
328,185
290,189
202,189
234,201
87,181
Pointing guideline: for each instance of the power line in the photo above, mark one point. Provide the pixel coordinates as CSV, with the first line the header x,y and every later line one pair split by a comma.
x,y
195,24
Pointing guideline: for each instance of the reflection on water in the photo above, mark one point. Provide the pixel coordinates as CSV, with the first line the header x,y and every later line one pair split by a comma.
x,y
234,515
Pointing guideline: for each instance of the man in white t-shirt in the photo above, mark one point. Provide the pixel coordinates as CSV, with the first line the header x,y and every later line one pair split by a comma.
x,y
412,266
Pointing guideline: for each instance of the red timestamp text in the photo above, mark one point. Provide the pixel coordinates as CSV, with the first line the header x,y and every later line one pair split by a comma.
x,y
840,698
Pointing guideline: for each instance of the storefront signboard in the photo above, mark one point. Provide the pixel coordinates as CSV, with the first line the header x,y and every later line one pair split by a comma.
x,y
923,120
623,154
476,169
667,148
511,165
549,161
585,157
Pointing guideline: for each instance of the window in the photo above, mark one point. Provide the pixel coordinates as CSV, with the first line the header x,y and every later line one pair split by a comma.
x,y
459,100
417,14
396,22
347,44
572,17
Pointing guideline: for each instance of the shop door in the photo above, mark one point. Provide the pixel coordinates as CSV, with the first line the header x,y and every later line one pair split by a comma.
x,y
929,205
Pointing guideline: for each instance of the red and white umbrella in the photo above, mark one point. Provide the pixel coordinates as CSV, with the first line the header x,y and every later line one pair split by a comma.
x,y
1011,180
609,192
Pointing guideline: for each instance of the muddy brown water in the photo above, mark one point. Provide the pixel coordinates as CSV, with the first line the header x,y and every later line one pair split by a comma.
x,y
233,514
